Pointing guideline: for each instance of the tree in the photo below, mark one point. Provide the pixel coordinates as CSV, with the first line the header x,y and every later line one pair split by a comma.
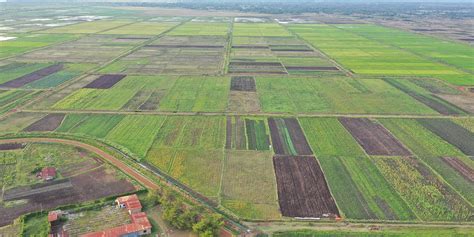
x,y
209,225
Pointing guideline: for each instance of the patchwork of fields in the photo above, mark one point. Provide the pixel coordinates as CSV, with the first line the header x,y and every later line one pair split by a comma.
x,y
265,121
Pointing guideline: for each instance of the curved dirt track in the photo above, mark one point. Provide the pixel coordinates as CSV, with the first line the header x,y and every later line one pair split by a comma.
x,y
114,161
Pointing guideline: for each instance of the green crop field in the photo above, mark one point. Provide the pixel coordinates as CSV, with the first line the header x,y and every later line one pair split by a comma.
x,y
32,41
141,28
88,27
198,28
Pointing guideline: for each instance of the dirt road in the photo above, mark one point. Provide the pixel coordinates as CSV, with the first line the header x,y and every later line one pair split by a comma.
x,y
111,159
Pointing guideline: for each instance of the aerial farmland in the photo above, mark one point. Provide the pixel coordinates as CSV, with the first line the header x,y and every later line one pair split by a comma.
x,y
284,125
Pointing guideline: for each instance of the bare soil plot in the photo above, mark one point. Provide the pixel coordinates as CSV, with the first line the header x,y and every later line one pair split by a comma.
x,y
105,81
302,188
288,137
256,67
48,123
34,76
245,102
373,137
465,102
451,132
235,133
463,169
243,83
300,68
98,183
11,146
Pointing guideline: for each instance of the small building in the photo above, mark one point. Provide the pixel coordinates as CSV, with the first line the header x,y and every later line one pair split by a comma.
x,y
47,173
140,225
130,202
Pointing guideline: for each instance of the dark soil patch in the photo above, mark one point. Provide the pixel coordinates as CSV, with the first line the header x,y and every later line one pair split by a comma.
x,y
463,169
297,137
243,83
373,137
255,64
34,76
277,143
451,132
88,186
249,47
297,68
467,39
48,123
228,134
152,102
11,146
302,188
105,81
186,46
133,38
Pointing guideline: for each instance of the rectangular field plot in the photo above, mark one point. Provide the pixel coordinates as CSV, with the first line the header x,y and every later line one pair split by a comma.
x,y
87,27
82,50
30,42
259,29
288,137
277,55
432,149
32,77
242,193
335,95
371,57
94,125
450,52
374,138
9,99
141,28
183,55
430,198
247,134
242,83
18,121
361,192
130,93
46,124
136,133
458,136
302,188
207,94
434,101
198,28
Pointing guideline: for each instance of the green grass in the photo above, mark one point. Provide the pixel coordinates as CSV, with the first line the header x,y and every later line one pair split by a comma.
x,y
372,56
386,231
430,148
31,41
142,28
87,27
360,190
335,95
259,29
91,125
198,28
206,94
257,134
136,132
113,98
429,198
249,185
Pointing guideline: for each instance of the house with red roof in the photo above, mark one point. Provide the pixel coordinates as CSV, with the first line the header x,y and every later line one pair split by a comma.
x,y
140,225
47,173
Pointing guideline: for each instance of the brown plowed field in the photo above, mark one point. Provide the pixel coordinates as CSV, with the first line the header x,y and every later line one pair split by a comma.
x,y
302,188
48,123
297,137
87,186
466,171
296,68
12,146
186,46
243,83
373,137
277,143
34,76
250,47
105,81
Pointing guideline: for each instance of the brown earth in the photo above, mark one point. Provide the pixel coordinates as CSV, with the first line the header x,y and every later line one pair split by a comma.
x,y
373,137
302,188
297,137
466,171
48,123
12,146
464,102
243,83
34,76
243,102
185,46
277,143
105,81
